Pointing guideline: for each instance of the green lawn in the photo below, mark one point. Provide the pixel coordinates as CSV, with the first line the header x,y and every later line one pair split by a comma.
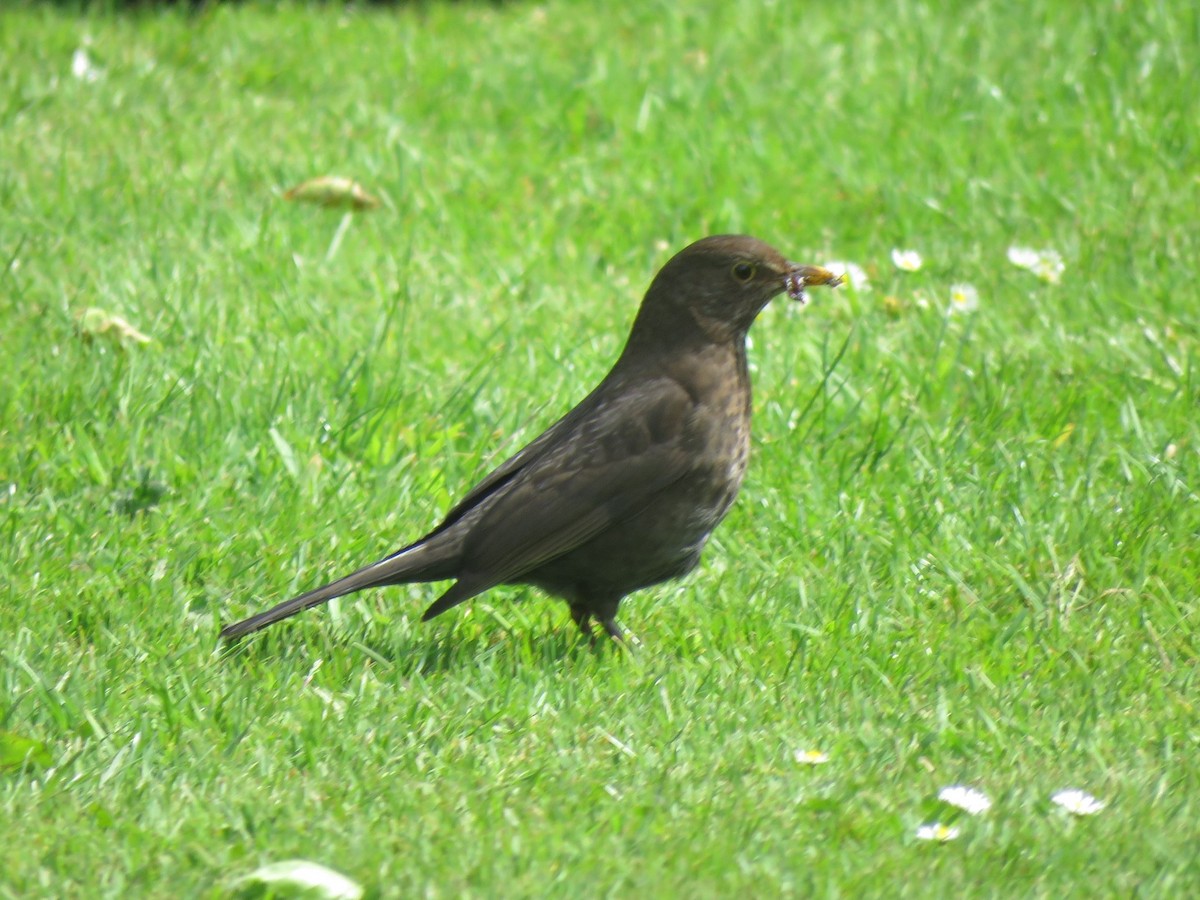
x,y
966,551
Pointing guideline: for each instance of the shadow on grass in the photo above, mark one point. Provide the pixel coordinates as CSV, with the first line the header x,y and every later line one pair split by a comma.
x,y
424,651
503,650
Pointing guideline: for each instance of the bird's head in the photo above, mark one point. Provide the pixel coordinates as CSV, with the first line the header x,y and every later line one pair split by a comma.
x,y
720,284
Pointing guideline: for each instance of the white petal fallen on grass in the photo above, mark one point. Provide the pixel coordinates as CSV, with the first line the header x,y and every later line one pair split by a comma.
x,y
965,798
906,260
299,876
810,757
83,68
963,299
936,831
852,275
95,322
1047,265
1078,803
1023,257
333,192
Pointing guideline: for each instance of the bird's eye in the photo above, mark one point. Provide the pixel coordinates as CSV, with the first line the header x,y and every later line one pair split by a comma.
x,y
743,271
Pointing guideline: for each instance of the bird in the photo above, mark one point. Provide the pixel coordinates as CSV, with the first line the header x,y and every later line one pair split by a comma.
x,y
623,491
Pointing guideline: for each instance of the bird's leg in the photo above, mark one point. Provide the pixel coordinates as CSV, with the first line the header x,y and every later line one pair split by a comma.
x,y
583,618
613,630
625,638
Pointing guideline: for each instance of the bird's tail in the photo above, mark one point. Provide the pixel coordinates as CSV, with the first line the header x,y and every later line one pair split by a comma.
x,y
403,567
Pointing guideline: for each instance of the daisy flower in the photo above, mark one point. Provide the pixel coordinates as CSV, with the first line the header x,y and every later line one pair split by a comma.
x,y
1078,803
963,299
1047,265
906,260
852,275
936,831
965,798
810,757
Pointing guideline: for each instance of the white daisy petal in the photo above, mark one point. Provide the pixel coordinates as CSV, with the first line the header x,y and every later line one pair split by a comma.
x,y
1022,257
936,831
1078,803
966,798
906,260
82,66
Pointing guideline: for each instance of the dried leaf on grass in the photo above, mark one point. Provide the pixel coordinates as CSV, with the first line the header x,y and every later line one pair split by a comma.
x,y
95,322
333,192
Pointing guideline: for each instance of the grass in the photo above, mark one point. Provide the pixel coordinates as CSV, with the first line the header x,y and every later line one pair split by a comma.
x,y
966,550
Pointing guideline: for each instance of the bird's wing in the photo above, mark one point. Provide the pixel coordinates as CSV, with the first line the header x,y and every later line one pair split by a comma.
x,y
512,466
601,469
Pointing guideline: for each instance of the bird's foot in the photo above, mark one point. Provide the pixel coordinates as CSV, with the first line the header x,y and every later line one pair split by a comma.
x,y
626,639
582,616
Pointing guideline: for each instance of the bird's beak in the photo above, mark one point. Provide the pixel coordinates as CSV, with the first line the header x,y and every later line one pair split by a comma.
x,y
799,277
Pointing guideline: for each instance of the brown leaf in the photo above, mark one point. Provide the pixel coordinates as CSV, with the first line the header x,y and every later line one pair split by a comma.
x,y
333,192
95,322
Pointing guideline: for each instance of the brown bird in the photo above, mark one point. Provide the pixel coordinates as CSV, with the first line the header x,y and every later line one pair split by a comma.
x,y
623,491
